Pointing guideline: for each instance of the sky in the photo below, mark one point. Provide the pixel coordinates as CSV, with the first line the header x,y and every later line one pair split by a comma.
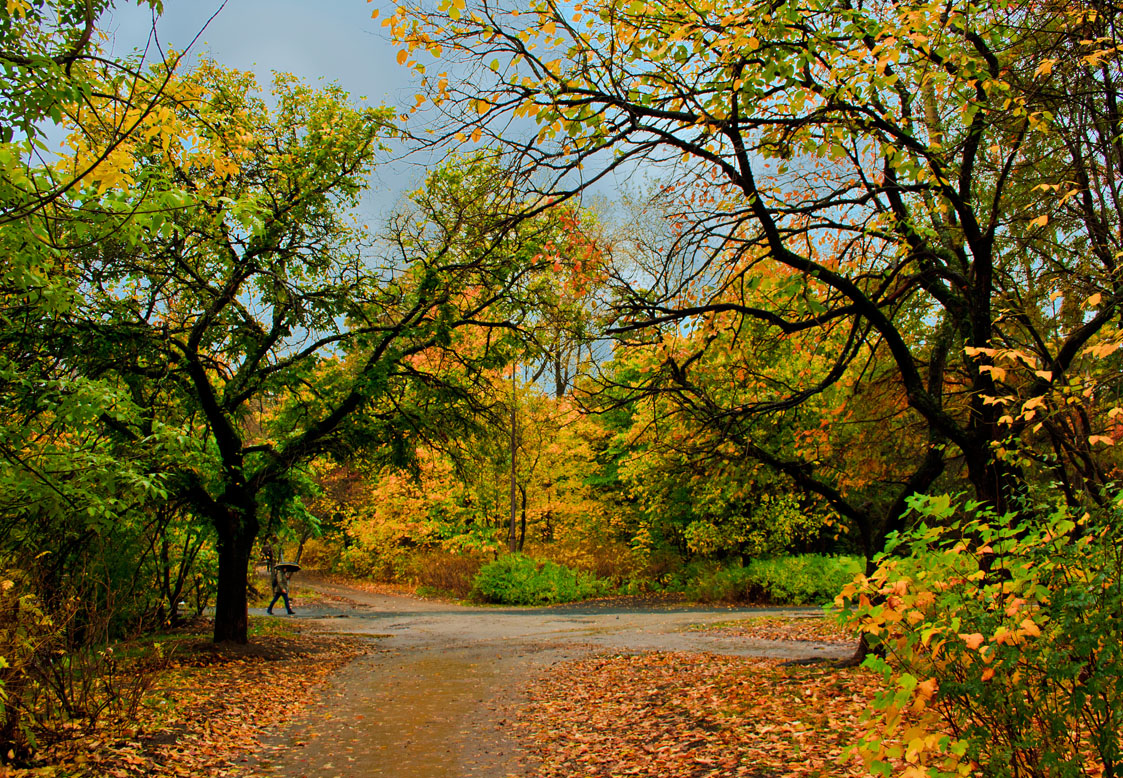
x,y
334,40
329,40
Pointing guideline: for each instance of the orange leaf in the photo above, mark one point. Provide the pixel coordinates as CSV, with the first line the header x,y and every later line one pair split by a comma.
x,y
973,640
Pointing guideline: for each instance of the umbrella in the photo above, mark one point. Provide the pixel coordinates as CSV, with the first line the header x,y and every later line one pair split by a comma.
x,y
291,566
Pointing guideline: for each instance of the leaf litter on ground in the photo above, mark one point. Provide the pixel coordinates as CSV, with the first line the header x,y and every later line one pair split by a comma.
x,y
810,628
205,714
689,715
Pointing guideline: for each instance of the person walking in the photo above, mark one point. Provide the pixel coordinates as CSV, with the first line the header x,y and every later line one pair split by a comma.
x,y
280,580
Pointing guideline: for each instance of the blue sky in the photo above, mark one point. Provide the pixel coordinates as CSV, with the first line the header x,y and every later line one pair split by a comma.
x,y
333,40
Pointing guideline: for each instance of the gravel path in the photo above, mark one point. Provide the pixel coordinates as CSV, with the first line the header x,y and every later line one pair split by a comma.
x,y
433,699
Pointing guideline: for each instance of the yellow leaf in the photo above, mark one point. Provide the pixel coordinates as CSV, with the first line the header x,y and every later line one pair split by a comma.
x,y
1045,68
1094,439
1040,221
997,373
374,14
1094,300
403,55
916,746
1101,350
476,135
1029,628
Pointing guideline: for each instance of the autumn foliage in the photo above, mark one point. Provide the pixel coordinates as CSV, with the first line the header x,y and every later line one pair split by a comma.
x,y
1000,644
877,258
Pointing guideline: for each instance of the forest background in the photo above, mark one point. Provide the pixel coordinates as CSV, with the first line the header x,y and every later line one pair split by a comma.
x,y
866,320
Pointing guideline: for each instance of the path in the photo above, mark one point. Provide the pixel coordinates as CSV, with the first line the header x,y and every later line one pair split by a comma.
x,y
431,700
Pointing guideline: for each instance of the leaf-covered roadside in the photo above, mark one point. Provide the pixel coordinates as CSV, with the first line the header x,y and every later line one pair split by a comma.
x,y
815,629
205,713
682,714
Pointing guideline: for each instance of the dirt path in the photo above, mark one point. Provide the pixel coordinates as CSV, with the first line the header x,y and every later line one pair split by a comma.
x,y
433,699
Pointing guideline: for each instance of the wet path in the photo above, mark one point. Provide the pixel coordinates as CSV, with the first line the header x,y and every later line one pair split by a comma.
x,y
429,713
435,697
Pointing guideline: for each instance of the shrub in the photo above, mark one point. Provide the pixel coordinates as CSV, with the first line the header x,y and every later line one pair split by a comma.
x,y
58,675
805,579
604,559
1002,644
322,553
358,562
446,573
516,579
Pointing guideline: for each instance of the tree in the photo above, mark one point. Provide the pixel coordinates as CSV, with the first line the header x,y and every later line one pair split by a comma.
x,y
930,186
236,285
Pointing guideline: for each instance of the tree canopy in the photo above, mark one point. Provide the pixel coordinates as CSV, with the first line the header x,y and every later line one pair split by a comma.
x,y
917,193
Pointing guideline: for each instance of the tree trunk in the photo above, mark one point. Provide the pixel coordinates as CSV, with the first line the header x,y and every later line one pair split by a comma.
x,y
861,651
522,525
512,538
236,533
994,481
561,379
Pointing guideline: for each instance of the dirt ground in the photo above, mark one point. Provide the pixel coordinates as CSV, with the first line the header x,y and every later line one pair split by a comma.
x,y
437,695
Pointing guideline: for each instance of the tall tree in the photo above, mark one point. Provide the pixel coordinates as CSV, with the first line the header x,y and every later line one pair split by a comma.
x,y
933,180
236,282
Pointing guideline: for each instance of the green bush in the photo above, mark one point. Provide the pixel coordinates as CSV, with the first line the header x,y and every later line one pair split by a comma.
x,y
1001,641
516,579
805,579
